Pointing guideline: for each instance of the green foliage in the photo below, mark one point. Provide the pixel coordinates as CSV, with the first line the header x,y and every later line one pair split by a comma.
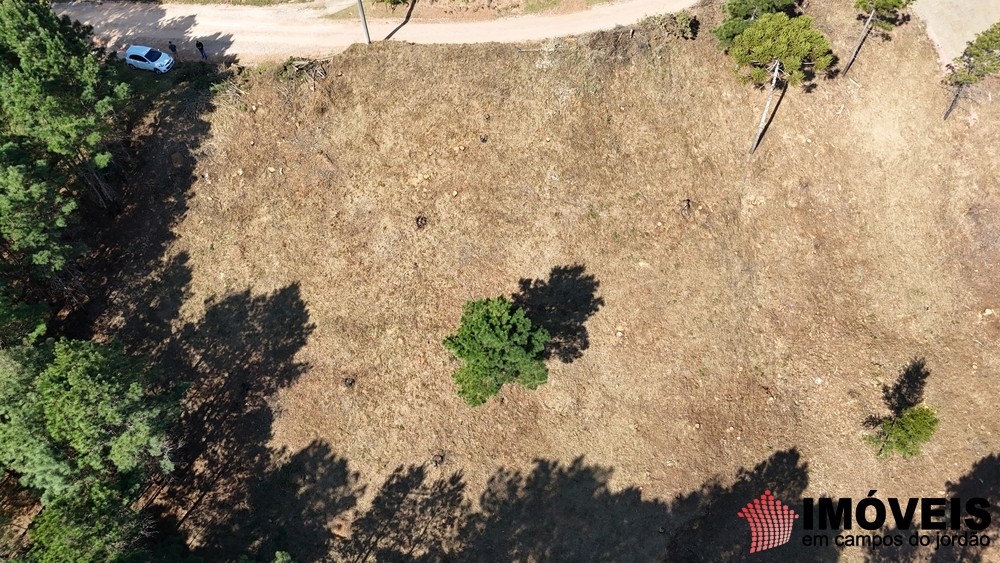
x,y
498,344
906,433
23,445
793,43
96,525
57,100
741,14
887,12
394,3
980,59
33,214
282,557
21,322
76,412
52,89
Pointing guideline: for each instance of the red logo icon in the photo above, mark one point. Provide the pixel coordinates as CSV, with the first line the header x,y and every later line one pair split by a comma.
x,y
770,522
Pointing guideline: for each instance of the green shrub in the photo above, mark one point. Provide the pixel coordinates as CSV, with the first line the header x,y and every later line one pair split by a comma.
x,y
794,44
686,24
906,433
887,12
498,344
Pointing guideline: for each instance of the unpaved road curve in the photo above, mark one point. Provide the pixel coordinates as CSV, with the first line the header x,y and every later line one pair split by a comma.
x,y
255,34
952,23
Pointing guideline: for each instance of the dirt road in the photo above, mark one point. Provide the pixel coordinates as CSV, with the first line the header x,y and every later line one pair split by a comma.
x,y
952,23
255,34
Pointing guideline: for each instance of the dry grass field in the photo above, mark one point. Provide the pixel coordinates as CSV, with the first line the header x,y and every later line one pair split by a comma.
x,y
726,321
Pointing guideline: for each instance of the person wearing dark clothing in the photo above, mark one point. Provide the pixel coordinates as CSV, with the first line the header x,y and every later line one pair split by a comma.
x,y
201,49
172,47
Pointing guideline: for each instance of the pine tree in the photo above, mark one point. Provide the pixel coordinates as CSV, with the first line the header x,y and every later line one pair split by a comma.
x,y
57,104
906,433
54,91
781,51
93,525
498,344
75,412
33,214
980,59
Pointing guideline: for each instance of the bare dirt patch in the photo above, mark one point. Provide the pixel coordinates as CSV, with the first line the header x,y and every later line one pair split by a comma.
x,y
742,318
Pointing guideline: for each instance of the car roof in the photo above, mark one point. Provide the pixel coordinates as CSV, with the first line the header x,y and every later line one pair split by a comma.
x,y
137,50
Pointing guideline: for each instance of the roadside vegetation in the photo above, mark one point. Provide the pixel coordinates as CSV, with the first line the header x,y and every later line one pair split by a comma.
x,y
980,60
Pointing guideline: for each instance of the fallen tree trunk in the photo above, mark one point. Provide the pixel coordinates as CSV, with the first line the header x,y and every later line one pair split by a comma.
x,y
861,41
954,100
763,116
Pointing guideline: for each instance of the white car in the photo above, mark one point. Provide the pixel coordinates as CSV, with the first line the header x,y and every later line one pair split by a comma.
x,y
147,58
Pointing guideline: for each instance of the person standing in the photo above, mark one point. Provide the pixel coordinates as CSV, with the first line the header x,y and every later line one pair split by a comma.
x,y
201,49
173,48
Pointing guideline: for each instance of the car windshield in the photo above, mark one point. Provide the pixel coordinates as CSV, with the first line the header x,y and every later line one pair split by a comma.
x,y
153,55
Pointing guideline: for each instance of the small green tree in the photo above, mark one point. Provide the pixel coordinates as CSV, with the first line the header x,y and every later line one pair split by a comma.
x,y
780,50
741,14
980,59
882,15
498,344
906,433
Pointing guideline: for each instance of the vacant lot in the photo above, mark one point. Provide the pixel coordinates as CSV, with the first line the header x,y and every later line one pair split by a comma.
x,y
726,321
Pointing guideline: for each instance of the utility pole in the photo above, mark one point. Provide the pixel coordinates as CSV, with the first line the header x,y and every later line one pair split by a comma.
x,y
364,23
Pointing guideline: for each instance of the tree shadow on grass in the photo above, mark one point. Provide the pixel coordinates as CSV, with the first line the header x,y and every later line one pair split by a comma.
x,y
908,391
561,305
406,19
412,518
557,512
710,529
238,356
291,506
982,481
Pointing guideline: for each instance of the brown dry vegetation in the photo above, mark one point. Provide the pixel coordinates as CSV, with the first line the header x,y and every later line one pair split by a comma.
x,y
753,306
